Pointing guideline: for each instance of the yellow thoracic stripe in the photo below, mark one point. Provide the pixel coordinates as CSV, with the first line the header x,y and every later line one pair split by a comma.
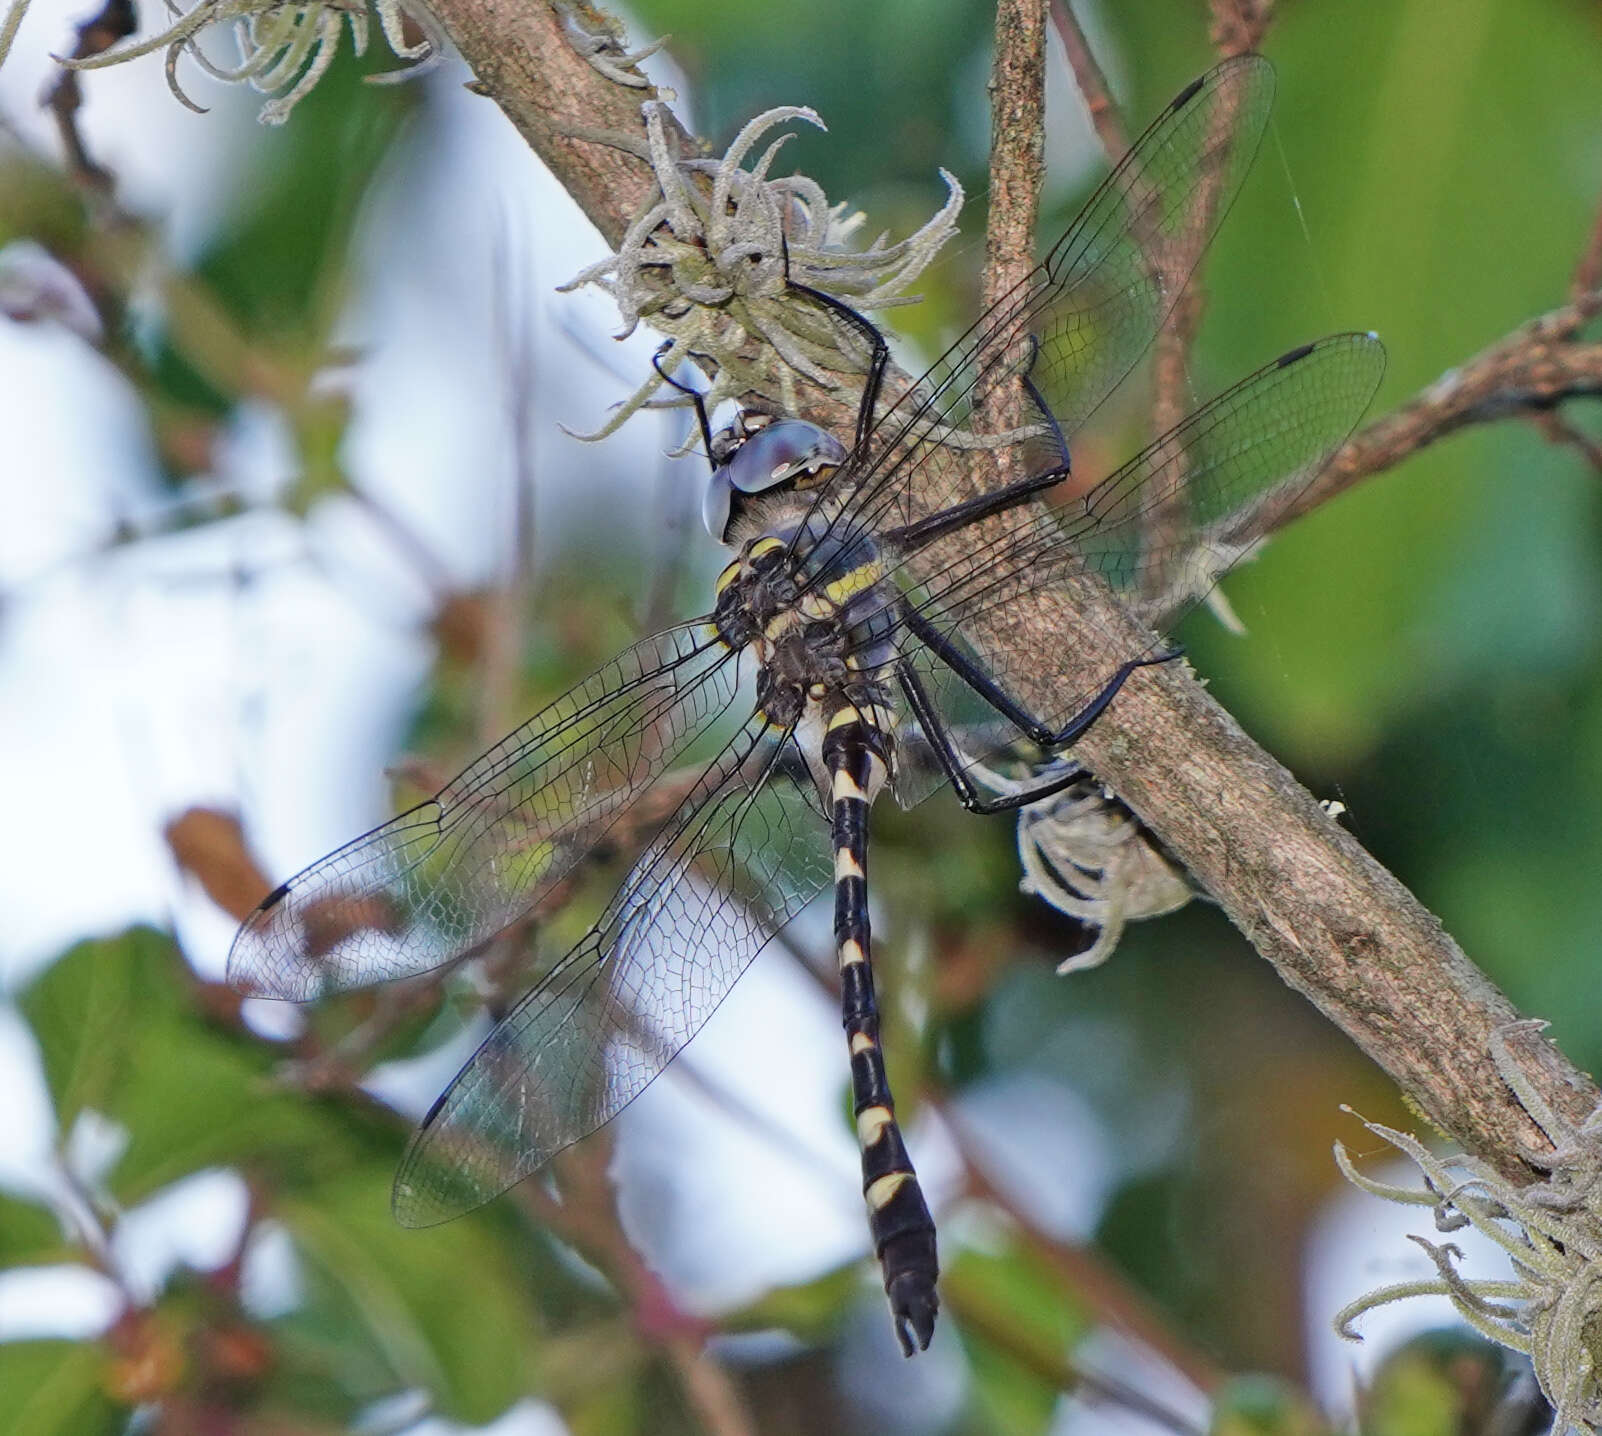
x,y
762,546
848,585
727,577
781,623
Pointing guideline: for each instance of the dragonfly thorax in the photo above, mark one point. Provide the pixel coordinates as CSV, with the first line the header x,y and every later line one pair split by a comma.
x,y
816,619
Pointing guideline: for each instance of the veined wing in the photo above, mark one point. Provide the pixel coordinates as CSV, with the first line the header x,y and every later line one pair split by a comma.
x,y
450,873
1078,323
741,856
1159,532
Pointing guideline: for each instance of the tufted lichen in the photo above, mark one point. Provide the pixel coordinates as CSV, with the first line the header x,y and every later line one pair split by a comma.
x,y
711,259
1551,1307
284,48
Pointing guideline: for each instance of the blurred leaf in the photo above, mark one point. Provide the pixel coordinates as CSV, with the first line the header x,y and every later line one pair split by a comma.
x,y
1010,1394
209,844
1014,1286
1450,1382
117,1028
441,1308
86,1011
1019,1326
29,1235
35,203
1259,1405
279,264
52,1388
903,75
809,1310
278,268
606,1411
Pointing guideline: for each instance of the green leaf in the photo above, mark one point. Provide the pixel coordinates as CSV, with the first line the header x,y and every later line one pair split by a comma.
x,y
1440,1383
53,1387
1019,1326
29,1235
1016,1288
810,1310
86,1011
443,1308
1262,1405
119,1033
1011,1393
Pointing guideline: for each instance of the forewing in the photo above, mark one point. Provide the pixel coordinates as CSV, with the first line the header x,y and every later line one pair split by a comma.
x,y
1080,321
1159,532
452,872
742,855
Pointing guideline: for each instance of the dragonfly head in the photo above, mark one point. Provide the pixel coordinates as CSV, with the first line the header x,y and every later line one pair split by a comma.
x,y
758,454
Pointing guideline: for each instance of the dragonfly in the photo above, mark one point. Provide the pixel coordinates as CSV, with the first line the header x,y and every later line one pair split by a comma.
x,y
866,578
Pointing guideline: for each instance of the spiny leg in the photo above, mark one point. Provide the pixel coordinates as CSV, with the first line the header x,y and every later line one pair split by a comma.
x,y
912,537
878,354
945,752
1036,729
854,750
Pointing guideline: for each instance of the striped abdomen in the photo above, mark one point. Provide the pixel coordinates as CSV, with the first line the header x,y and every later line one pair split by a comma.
x,y
855,752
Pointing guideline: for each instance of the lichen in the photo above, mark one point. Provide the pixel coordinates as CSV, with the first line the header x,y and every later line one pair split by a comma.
x,y
284,48
1551,1230
712,258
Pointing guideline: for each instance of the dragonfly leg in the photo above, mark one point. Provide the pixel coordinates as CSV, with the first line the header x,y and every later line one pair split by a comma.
x,y
898,1216
945,752
914,536
878,360
1035,729
695,395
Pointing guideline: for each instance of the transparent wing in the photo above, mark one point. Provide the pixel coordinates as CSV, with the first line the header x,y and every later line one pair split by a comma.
x,y
1159,532
450,873
742,855
1077,325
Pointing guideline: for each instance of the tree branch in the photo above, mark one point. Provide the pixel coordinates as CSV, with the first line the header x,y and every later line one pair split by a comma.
x,y
1091,82
1017,145
1336,925
1529,371
522,57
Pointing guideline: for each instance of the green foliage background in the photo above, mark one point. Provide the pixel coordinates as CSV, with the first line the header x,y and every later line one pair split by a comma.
x,y
1426,650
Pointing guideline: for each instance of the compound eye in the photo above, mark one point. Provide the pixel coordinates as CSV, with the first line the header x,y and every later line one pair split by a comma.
x,y
782,452
717,503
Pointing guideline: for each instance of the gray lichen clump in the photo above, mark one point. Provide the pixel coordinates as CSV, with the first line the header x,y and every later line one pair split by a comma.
x,y
284,49
1551,1307
711,259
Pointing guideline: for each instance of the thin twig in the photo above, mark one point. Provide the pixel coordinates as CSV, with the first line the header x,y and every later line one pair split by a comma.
x,y
1092,83
587,1217
1585,288
116,20
1559,431
1532,369
416,550
1239,25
